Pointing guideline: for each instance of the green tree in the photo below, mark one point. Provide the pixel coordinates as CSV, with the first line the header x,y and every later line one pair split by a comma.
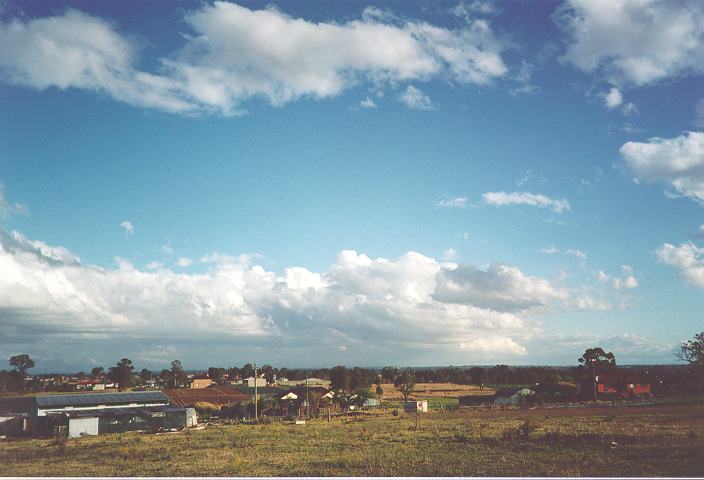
x,y
22,363
405,382
594,361
122,374
146,375
97,372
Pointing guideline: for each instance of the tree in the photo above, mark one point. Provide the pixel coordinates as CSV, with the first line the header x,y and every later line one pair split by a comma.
x,y
216,373
339,379
596,360
247,371
405,382
389,373
268,372
97,372
692,352
176,375
22,363
122,373
146,375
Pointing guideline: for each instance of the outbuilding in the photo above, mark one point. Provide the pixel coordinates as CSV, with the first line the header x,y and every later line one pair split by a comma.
x,y
513,396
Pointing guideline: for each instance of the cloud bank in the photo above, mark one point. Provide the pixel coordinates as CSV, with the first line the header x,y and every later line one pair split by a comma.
x,y
411,302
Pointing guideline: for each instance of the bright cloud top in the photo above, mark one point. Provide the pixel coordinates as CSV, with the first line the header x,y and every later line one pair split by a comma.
x,y
688,259
524,198
412,300
678,161
637,42
235,54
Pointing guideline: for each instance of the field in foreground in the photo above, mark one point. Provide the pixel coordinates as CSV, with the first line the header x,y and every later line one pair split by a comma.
x,y
628,441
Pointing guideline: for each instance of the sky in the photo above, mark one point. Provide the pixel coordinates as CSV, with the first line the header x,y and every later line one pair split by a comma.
x,y
316,183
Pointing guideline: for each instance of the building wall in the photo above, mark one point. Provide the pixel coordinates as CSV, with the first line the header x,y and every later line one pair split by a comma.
x,y
82,426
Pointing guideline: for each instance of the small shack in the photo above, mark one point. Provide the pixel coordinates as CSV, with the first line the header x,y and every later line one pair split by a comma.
x,y
415,406
513,396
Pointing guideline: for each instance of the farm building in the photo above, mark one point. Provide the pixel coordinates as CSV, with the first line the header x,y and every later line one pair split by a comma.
x,y
512,396
413,406
622,384
93,413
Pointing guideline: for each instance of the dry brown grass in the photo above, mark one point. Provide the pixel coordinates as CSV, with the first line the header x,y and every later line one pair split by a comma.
x,y
423,390
644,441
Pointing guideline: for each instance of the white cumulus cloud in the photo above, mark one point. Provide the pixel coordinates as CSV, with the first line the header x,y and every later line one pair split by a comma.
x,y
613,98
687,258
677,161
636,42
413,300
232,54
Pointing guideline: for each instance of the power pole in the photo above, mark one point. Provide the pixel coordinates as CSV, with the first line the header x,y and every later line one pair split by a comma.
x,y
256,399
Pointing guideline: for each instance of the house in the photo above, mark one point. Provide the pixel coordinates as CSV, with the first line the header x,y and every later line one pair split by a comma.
x,y
250,382
413,406
513,396
201,383
620,384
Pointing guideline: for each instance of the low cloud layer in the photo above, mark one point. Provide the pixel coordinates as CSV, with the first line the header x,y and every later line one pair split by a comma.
x,y
233,54
677,161
413,302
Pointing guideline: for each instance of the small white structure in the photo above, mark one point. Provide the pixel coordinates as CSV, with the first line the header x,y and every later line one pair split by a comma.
x,y
512,396
77,427
413,406
260,382
191,418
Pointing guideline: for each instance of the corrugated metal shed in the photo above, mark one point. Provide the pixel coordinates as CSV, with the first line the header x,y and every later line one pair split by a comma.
x,y
51,401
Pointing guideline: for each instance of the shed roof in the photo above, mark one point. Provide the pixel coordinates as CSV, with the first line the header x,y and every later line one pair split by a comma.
x,y
49,401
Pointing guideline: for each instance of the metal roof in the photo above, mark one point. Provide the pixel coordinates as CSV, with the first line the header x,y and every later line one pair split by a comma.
x,y
49,401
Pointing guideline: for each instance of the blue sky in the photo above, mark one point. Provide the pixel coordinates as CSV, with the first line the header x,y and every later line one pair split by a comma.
x,y
315,183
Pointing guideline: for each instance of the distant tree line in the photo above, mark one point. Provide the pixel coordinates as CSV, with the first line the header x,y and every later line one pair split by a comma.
x,y
357,382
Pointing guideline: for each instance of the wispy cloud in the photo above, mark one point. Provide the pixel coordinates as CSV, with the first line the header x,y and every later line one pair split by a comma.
x,y
457,202
415,99
524,198
127,227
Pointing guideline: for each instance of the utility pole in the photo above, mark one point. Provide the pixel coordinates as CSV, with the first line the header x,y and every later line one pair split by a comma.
x,y
307,402
256,400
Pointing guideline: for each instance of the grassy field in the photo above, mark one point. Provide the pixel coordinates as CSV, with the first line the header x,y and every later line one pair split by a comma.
x,y
427,390
629,441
